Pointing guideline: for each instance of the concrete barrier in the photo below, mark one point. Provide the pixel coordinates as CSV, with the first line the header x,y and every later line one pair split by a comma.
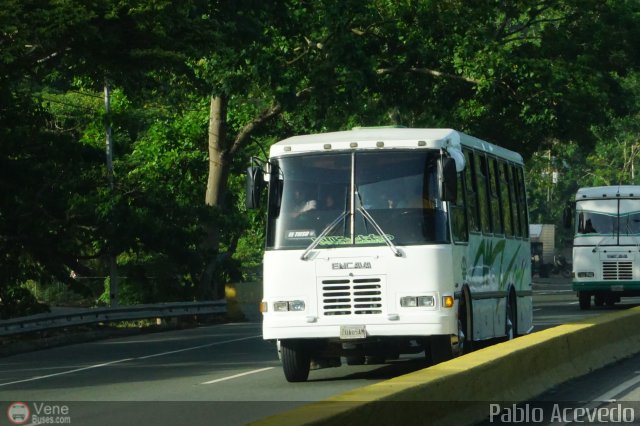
x,y
458,392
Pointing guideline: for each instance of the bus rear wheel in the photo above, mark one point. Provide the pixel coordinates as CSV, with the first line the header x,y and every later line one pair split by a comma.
x,y
611,300
295,361
511,322
598,300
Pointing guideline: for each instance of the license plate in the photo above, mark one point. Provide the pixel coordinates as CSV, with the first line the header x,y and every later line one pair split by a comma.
x,y
349,332
617,288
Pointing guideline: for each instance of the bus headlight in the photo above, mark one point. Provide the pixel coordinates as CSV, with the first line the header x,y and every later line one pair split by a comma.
x,y
296,305
290,305
587,274
417,301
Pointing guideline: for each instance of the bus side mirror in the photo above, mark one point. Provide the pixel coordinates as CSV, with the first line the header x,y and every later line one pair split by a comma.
x,y
567,216
449,189
254,184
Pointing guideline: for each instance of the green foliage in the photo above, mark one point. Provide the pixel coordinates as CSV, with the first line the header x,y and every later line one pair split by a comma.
x,y
611,160
18,301
556,81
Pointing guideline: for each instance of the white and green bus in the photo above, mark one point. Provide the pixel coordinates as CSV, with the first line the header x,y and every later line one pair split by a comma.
x,y
606,244
387,241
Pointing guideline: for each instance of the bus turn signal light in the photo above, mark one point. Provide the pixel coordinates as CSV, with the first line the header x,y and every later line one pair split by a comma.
x,y
447,301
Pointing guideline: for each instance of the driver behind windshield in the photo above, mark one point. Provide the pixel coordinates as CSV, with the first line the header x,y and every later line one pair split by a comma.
x,y
302,200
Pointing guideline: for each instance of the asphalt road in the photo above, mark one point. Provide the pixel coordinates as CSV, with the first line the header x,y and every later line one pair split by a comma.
x,y
222,374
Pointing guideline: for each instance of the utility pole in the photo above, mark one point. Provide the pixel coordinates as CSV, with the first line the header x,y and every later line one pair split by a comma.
x,y
633,157
550,171
113,266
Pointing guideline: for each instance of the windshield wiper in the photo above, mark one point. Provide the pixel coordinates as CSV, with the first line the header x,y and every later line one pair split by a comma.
x,y
633,235
323,234
600,242
380,232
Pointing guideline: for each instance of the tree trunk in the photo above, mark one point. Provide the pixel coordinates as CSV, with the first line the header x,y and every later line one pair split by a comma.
x,y
221,151
218,151
210,287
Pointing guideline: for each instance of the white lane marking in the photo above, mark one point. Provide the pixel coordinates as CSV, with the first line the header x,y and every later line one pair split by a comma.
x,y
208,345
237,375
67,372
105,364
608,396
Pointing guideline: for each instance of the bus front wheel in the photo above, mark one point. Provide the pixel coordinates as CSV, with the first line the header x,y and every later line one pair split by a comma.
x,y
438,349
295,361
465,325
585,300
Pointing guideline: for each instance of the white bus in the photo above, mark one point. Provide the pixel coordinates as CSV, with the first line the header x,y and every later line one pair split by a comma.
x,y
385,241
606,245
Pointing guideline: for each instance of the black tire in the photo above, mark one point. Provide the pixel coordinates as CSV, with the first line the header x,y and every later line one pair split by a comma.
x,y
598,300
465,324
295,361
438,349
610,301
511,321
585,300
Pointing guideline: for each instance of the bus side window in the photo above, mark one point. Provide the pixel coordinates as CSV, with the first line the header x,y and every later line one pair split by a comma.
x,y
459,213
471,193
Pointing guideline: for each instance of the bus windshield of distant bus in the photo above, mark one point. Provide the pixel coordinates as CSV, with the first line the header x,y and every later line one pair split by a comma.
x,y
398,188
613,218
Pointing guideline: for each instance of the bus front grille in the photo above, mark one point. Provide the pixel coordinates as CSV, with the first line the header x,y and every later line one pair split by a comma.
x,y
352,296
617,271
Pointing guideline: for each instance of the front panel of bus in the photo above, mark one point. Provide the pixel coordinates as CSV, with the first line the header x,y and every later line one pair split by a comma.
x,y
355,239
606,252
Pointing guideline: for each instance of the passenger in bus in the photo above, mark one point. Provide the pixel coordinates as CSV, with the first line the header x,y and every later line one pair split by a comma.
x,y
381,200
329,202
302,203
588,227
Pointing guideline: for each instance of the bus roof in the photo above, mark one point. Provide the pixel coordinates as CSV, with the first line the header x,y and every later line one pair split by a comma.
x,y
385,138
613,191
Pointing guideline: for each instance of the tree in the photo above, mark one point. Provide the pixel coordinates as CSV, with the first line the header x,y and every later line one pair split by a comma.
x,y
57,214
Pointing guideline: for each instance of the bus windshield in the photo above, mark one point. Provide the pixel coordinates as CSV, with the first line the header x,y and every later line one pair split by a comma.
x,y
397,188
608,218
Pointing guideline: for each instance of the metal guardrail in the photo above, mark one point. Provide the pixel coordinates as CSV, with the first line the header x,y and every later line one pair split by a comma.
x,y
95,315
